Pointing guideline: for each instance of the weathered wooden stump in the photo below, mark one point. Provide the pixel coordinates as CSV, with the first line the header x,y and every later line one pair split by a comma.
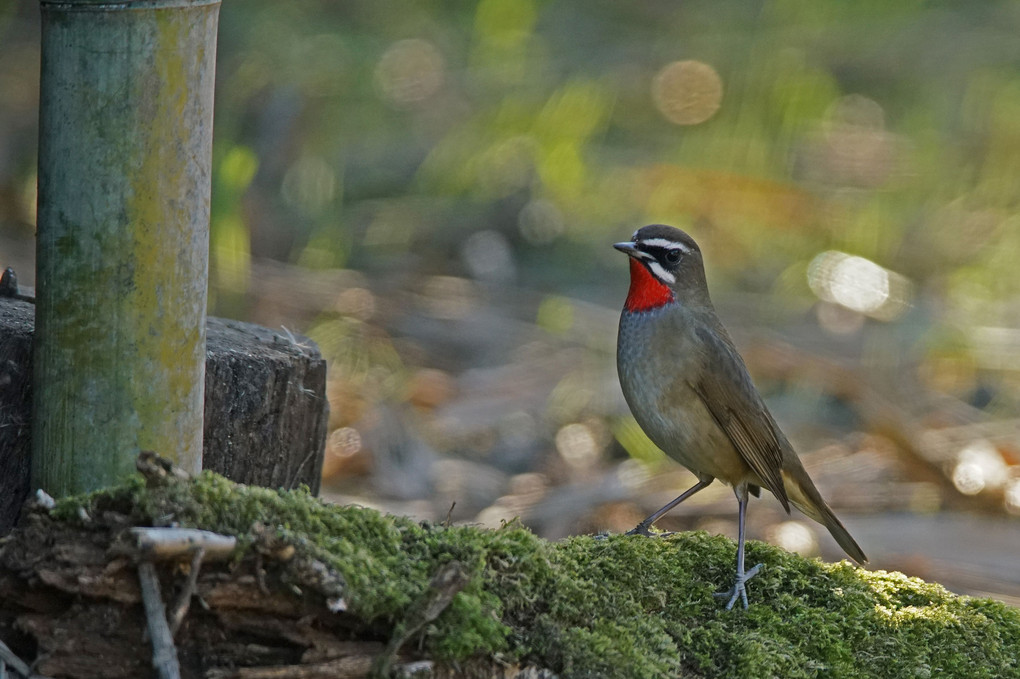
x,y
17,321
265,405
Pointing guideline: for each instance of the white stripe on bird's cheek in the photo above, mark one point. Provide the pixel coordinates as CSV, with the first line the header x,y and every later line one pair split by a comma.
x,y
661,273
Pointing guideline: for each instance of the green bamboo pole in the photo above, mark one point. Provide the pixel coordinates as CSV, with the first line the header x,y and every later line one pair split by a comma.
x,y
125,145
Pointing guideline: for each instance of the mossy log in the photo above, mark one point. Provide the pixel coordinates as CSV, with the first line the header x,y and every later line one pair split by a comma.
x,y
265,405
315,590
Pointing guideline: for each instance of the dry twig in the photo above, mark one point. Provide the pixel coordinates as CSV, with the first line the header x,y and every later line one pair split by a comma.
x,y
165,544
445,584
180,607
8,659
164,653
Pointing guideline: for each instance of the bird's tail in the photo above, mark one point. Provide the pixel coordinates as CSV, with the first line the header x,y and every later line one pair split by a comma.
x,y
805,497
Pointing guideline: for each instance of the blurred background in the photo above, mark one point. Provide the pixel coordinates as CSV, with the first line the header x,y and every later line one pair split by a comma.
x,y
430,191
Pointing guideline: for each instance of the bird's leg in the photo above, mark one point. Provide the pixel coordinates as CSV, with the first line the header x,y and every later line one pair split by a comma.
x,y
739,587
644,527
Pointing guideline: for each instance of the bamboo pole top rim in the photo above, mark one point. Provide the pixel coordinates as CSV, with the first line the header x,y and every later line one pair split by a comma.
x,y
123,5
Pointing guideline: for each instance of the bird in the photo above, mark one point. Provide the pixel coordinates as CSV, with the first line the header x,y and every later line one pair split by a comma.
x,y
690,391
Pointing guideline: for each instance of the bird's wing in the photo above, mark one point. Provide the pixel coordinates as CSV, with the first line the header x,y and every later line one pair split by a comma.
x,y
729,395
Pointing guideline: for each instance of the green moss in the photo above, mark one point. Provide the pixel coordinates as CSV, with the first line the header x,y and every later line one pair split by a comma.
x,y
615,607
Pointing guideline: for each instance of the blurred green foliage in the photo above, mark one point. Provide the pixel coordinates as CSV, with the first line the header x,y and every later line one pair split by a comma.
x,y
349,133
379,129
385,135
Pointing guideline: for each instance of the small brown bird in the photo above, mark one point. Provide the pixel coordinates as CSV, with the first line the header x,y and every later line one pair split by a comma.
x,y
691,393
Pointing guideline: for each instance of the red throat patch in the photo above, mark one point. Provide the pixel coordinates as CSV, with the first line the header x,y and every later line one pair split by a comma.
x,y
646,292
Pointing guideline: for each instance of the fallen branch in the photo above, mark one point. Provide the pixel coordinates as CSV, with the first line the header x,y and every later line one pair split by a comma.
x,y
164,544
8,658
164,653
183,603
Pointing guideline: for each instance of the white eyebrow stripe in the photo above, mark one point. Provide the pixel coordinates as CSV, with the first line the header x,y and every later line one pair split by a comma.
x,y
666,244
660,273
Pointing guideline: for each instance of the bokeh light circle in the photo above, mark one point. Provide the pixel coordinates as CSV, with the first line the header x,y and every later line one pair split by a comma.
x,y
687,92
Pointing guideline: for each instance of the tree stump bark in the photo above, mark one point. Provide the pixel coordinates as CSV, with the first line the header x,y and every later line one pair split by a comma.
x,y
17,322
265,406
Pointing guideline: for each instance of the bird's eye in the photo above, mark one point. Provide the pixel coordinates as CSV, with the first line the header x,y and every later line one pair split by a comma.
x,y
673,256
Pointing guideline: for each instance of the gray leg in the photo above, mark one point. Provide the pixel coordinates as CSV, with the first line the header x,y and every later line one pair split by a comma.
x,y
643,527
739,587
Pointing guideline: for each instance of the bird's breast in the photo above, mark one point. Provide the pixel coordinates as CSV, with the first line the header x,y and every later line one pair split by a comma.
x,y
658,360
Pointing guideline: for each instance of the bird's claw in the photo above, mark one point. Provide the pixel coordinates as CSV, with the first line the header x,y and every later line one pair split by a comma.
x,y
640,529
739,588
646,530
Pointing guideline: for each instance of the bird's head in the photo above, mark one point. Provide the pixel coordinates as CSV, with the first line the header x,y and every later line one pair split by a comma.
x,y
665,267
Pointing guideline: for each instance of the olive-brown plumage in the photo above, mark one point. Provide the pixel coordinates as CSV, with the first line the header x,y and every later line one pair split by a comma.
x,y
690,391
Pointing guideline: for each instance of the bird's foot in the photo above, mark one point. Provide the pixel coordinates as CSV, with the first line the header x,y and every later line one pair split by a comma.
x,y
646,530
739,588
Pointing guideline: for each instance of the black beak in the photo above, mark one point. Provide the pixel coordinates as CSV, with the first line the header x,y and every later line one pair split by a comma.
x,y
628,248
